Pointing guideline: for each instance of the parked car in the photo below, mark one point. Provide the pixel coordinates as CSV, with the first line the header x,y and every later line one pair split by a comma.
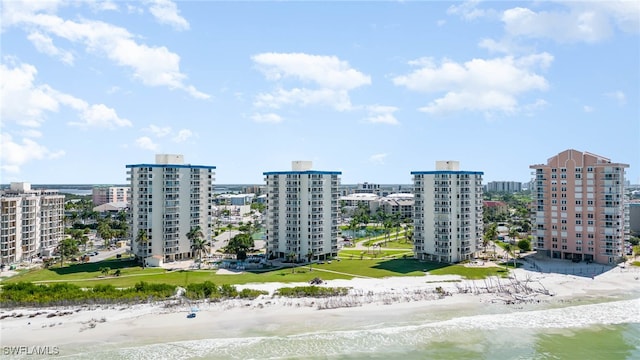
x,y
191,315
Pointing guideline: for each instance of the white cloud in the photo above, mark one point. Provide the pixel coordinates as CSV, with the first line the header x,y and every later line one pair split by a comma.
x,y
44,44
22,101
378,158
183,135
338,99
326,71
15,154
30,133
92,115
131,9
166,12
504,46
327,80
618,96
267,118
146,143
106,5
589,21
153,66
468,10
26,103
159,131
486,85
587,108
379,114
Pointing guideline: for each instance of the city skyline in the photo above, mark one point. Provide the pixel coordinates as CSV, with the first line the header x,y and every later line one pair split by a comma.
x,y
374,90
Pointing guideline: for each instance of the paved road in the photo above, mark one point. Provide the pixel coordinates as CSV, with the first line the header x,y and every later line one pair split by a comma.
x,y
102,254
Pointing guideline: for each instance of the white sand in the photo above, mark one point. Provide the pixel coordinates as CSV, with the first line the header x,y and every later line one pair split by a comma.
x,y
119,325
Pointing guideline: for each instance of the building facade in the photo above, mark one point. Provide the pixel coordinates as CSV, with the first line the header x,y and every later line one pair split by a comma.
x,y
108,194
504,186
634,217
447,214
578,207
168,199
31,222
302,213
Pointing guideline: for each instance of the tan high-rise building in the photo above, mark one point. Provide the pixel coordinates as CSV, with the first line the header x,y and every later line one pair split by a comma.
x,y
578,207
447,214
31,222
302,213
168,199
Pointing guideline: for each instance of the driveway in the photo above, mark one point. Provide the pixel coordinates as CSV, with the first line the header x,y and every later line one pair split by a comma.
x,y
102,255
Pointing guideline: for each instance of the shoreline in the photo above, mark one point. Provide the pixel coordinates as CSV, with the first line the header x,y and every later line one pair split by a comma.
x,y
380,299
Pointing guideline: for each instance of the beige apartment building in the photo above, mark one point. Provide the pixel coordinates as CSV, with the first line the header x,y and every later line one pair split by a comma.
x,y
168,199
31,222
447,216
302,213
107,194
578,207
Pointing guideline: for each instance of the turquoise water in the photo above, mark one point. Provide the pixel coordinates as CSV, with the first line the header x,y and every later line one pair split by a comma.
x,y
606,330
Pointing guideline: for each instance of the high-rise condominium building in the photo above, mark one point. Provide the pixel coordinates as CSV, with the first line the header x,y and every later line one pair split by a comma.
x,y
504,186
31,222
168,199
106,194
302,213
447,213
579,209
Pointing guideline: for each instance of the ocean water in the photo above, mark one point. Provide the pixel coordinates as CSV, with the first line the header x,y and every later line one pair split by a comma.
x,y
607,329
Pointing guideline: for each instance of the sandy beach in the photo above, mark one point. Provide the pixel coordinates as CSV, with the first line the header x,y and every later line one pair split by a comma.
x,y
119,325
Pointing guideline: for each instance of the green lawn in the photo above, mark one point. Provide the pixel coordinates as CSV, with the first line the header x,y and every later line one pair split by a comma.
x,y
375,254
402,243
88,275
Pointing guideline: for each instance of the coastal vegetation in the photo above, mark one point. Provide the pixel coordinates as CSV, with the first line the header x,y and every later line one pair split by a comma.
x,y
311,291
30,294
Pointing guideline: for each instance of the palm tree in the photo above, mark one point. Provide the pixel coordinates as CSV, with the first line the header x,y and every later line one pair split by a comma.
x,y
509,250
105,232
67,247
513,234
198,243
397,224
490,234
291,257
142,239
122,216
387,223
74,217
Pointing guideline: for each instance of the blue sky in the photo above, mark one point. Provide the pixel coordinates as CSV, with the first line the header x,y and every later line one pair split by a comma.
x,y
373,89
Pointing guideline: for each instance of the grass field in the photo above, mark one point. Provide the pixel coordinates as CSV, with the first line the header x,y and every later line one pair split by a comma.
x,y
88,275
371,253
